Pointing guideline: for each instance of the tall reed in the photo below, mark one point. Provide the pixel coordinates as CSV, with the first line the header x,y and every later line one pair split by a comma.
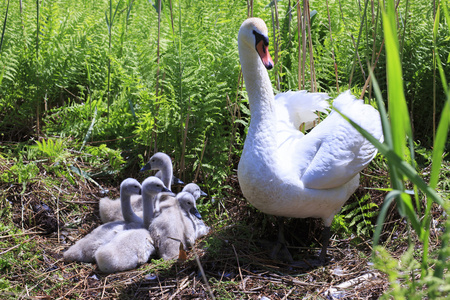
x,y
109,25
397,132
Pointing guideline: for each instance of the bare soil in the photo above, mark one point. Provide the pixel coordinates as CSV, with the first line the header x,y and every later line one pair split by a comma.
x,y
234,256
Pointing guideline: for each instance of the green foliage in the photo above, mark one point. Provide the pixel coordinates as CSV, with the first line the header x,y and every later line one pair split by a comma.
x,y
102,152
20,172
356,218
23,256
126,91
396,128
53,149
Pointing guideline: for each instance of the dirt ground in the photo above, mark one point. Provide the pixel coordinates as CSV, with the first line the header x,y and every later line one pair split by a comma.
x,y
233,258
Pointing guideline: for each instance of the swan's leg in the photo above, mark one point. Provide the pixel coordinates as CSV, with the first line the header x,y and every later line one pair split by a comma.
x,y
280,247
325,241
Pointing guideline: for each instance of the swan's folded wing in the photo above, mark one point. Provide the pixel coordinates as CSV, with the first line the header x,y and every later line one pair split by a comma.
x,y
342,152
299,108
297,111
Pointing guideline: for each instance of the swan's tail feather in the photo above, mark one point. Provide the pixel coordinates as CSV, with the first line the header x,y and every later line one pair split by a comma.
x,y
300,107
358,112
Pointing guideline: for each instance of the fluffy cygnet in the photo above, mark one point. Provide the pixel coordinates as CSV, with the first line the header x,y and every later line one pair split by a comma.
x,y
132,248
84,249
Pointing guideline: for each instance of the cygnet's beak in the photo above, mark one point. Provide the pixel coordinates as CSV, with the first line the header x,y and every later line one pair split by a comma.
x,y
146,167
176,181
195,212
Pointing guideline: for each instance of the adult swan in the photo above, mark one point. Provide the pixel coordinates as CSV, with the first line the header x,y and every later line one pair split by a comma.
x,y
284,172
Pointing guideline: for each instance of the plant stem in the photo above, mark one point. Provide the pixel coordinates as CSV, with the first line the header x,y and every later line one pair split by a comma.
x,y
332,49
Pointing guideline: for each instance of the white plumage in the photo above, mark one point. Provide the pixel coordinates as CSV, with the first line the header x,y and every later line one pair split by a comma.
x,y
284,172
174,225
131,248
84,249
200,227
110,209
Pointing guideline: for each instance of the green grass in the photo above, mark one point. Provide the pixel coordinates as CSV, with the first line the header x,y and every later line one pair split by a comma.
x,y
90,91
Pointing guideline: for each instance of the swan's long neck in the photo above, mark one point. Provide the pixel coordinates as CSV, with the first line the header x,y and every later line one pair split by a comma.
x,y
127,211
147,207
262,128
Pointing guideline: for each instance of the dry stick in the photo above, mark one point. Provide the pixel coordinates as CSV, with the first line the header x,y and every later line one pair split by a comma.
x,y
291,290
373,68
299,29
303,48
332,49
203,274
233,125
70,291
201,159
113,140
22,209
171,17
311,54
14,247
239,88
104,287
57,217
155,147
239,266
19,234
28,290
374,35
183,285
37,73
276,36
354,46
157,48
183,146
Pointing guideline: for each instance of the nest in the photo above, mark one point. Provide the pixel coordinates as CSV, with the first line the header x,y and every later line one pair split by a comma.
x,y
232,258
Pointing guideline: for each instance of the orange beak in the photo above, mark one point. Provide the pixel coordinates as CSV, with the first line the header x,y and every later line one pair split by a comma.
x,y
263,52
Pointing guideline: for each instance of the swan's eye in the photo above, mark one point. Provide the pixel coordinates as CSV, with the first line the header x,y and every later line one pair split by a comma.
x,y
259,37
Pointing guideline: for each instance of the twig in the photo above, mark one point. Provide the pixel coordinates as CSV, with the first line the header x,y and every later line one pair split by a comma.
x,y
14,247
201,159
19,234
71,290
287,295
183,284
239,266
203,274
183,147
113,140
104,287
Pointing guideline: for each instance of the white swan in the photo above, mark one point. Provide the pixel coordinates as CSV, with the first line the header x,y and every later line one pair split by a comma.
x,y
84,249
132,248
284,172
174,225
110,209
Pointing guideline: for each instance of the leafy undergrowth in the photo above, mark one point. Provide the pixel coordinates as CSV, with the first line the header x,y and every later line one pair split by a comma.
x,y
47,213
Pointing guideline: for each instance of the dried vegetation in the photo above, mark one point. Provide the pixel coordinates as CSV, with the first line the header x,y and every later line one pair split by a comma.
x,y
233,256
